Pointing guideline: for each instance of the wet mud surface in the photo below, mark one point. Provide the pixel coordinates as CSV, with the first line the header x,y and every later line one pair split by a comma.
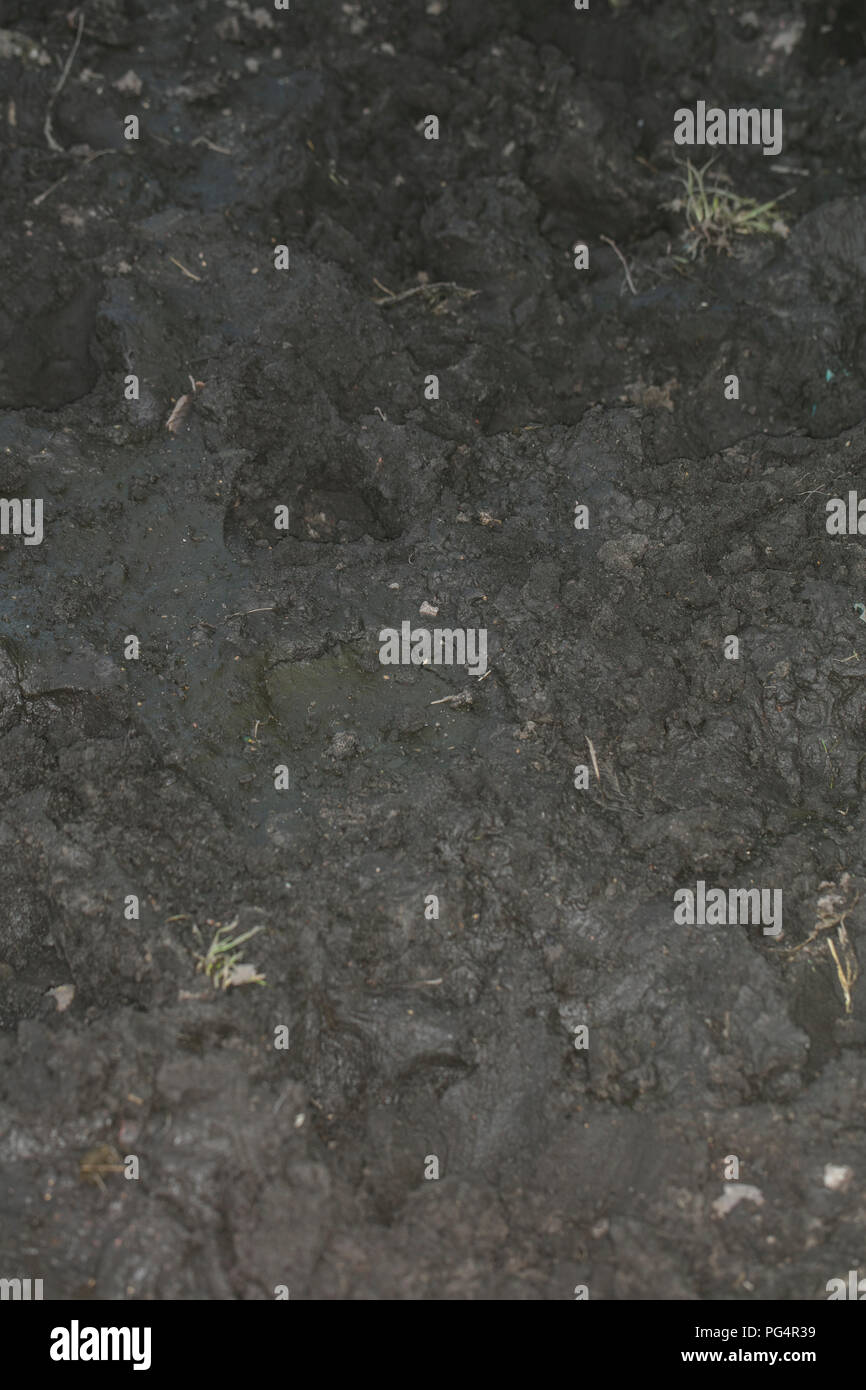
x,y
412,1037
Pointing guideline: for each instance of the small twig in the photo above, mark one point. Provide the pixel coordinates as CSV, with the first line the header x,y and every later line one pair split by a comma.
x,y
97,154
244,613
184,269
279,1104
47,130
392,298
203,140
43,196
623,262
390,293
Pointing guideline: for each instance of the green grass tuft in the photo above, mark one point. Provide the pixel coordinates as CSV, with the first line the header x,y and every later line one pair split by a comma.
x,y
222,962
716,215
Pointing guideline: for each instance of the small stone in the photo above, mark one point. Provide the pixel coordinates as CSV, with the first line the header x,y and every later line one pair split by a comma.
x,y
63,996
733,1194
242,974
261,19
129,82
837,1176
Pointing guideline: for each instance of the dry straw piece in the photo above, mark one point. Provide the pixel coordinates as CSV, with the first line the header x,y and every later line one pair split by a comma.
x,y
835,904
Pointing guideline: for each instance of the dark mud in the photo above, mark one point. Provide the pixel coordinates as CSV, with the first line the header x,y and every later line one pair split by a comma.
x,y
412,1037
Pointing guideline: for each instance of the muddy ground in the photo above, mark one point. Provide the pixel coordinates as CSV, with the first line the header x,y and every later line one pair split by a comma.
x,y
412,1037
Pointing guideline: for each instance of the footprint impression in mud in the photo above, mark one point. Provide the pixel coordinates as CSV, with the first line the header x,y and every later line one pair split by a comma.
x,y
329,506
336,517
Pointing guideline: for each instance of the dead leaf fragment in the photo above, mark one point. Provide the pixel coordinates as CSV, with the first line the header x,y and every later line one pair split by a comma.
x,y
652,397
179,414
104,1158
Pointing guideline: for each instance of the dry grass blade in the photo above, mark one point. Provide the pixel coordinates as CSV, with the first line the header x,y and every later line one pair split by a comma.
x,y
439,290
47,127
623,262
847,967
594,758
189,273
833,907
